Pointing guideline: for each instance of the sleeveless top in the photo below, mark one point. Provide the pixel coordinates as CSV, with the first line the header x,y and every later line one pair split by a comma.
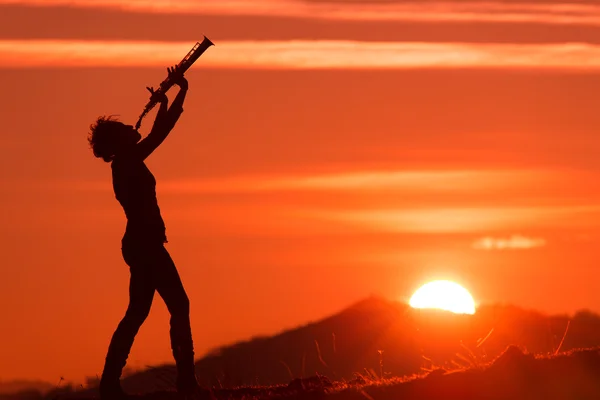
x,y
135,188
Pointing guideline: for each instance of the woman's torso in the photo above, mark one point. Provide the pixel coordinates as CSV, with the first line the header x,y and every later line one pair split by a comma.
x,y
135,188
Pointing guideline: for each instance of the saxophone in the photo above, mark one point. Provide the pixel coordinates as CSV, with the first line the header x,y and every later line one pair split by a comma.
x,y
183,66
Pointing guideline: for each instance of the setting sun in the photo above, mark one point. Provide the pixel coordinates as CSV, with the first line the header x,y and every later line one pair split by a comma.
x,y
444,295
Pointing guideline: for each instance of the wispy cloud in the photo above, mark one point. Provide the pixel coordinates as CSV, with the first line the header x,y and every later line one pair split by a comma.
x,y
464,219
429,211
301,55
433,181
422,181
542,12
514,242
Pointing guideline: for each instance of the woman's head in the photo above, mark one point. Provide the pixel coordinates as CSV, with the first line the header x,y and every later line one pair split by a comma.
x,y
108,137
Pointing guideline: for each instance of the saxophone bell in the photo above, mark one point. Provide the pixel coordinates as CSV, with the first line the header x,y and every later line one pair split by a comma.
x,y
187,61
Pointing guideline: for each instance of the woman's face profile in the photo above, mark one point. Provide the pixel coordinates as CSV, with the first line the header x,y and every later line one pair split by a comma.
x,y
130,134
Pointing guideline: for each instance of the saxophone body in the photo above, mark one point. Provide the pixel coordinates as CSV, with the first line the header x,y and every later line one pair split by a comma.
x,y
187,61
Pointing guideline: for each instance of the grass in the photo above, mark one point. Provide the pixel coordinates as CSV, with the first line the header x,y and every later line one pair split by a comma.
x,y
513,375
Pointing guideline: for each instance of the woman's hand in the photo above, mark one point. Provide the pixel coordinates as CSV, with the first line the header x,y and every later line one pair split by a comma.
x,y
176,76
157,96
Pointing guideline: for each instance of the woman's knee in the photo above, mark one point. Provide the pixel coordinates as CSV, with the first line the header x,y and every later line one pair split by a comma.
x,y
136,316
184,304
181,307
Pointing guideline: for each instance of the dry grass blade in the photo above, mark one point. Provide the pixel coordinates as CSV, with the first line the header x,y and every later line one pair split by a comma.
x,y
563,338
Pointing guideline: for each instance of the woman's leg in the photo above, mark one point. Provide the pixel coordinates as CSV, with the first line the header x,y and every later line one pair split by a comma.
x,y
170,288
141,293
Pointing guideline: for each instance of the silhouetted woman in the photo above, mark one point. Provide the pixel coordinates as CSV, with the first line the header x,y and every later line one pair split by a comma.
x,y
150,265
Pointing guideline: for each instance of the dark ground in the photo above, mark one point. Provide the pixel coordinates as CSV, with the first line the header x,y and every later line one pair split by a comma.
x,y
513,375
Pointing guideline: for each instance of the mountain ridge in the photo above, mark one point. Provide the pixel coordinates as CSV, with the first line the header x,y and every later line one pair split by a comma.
x,y
379,337
410,341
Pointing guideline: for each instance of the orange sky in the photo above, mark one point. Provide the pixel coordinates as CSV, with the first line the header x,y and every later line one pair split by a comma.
x,y
327,151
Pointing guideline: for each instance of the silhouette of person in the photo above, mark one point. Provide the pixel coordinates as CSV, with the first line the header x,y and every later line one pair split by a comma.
x,y
150,265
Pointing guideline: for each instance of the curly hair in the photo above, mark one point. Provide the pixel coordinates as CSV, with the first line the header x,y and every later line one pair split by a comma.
x,y
103,137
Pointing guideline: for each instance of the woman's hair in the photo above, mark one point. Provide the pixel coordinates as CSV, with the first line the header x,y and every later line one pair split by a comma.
x,y
103,137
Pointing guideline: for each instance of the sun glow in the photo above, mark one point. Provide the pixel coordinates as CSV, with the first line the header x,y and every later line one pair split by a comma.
x,y
444,295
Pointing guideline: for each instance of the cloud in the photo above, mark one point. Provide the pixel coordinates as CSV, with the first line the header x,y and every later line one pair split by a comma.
x,y
386,201
306,54
514,242
461,219
422,181
458,11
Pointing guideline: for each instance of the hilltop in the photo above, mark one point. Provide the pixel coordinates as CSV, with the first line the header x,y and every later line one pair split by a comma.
x,y
20,385
376,331
513,375
386,341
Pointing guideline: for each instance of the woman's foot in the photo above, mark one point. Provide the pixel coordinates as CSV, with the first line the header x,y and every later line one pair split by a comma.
x,y
190,389
111,391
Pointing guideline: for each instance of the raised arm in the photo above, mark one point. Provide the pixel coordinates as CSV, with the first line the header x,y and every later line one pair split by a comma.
x,y
166,118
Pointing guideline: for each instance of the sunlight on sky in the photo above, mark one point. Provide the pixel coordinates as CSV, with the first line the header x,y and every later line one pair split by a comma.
x,y
344,147
465,219
544,13
301,54
456,181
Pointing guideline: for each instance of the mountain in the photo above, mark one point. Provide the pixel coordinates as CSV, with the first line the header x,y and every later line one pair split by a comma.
x,y
15,386
376,336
